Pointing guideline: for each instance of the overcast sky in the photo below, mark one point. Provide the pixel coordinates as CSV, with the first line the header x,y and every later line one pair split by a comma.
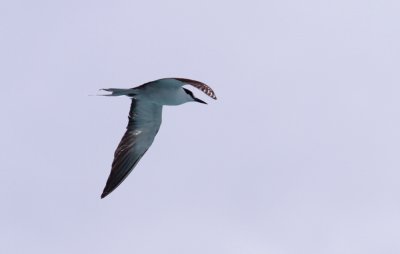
x,y
299,154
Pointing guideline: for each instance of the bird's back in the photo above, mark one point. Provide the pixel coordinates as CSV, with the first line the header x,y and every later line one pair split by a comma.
x,y
162,92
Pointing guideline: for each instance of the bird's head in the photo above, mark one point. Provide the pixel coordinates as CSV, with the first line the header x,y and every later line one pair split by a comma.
x,y
190,96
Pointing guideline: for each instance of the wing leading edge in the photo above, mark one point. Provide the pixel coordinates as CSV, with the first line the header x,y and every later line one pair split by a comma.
x,y
144,123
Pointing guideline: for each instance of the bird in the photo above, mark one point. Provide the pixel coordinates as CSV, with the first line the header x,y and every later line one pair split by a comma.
x,y
144,121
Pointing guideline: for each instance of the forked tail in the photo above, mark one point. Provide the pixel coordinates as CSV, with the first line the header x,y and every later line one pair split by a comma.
x,y
118,92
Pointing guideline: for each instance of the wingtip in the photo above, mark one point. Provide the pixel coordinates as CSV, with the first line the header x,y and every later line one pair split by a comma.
x,y
103,195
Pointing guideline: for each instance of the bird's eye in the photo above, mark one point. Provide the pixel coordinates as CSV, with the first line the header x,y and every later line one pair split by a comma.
x,y
188,92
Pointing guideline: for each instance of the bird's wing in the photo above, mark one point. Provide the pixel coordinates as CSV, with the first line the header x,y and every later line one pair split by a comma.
x,y
199,85
144,123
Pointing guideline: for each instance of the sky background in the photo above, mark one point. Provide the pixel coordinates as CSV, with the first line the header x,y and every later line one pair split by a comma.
x,y
299,154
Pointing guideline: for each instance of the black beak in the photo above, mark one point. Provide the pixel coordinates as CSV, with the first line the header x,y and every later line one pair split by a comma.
x,y
198,100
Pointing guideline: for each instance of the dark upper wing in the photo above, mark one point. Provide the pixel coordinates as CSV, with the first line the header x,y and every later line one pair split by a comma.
x,y
144,123
199,85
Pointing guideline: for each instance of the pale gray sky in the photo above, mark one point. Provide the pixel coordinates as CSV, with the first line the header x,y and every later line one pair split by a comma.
x,y
300,153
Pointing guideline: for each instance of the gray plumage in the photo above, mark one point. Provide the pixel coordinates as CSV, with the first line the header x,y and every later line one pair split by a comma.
x,y
145,121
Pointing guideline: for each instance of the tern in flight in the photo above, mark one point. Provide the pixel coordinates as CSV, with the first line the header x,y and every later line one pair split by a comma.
x,y
145,120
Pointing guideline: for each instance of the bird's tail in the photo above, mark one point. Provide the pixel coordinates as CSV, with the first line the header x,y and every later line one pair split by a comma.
x,y
118,92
